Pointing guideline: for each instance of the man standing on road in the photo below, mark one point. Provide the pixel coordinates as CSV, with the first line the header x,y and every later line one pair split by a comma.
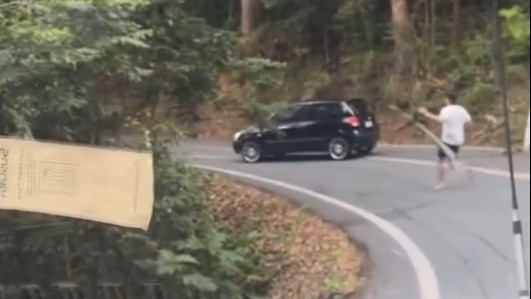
x,y
453,118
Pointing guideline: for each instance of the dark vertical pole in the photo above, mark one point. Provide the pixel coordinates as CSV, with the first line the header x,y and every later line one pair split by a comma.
x,y
523,292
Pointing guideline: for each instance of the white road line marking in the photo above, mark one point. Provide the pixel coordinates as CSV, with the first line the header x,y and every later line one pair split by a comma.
x,y
380,145
495,172
488,171
426,277
431,146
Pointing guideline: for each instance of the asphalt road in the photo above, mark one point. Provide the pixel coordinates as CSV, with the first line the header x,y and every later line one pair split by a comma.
x,y
455,243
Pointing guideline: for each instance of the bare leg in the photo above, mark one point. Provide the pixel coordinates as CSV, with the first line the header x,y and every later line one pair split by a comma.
x,y
441,174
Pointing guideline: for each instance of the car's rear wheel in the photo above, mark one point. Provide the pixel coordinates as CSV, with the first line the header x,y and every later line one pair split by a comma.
x,y
339,148
251,152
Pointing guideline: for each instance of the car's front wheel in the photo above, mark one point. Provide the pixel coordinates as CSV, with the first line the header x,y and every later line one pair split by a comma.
x,y
251,152
339,148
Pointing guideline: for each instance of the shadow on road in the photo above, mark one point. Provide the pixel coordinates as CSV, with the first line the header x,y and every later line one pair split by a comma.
x,y
309,158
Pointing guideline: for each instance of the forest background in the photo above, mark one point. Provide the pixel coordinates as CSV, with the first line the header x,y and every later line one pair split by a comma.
x,y
99,71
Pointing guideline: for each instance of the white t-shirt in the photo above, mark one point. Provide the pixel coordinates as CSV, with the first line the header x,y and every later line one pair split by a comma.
x,y
454,118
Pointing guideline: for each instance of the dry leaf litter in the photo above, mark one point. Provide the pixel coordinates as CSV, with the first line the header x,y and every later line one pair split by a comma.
x,y
307,257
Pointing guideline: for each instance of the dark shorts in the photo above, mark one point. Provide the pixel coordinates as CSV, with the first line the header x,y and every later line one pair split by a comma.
x,y
442,155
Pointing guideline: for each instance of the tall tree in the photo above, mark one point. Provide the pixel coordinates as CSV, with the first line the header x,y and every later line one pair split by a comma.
x,y
403,36
456,22
251,15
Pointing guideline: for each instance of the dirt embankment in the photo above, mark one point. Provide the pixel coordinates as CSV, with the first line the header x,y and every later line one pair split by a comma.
x,y
306,257
223,116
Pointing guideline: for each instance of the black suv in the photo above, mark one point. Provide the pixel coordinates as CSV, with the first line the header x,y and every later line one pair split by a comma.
x,y
338,128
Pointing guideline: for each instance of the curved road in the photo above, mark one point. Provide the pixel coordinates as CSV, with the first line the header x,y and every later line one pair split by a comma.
x,y
450,244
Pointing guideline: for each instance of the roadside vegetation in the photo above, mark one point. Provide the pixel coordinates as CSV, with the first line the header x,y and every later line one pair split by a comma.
x,y
400,52
105,72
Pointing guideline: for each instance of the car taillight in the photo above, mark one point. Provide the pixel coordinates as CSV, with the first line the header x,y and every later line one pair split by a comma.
x,y
353,121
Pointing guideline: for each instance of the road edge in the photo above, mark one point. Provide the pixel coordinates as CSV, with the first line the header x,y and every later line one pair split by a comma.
x,y
427,280
500,150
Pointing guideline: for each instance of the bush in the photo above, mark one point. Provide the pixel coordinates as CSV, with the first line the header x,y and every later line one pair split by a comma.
x,y
182,249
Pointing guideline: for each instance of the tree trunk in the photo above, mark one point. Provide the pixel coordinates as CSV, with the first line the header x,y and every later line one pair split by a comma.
x,y
403,36
430,16
251,14
433,24
456,23
427,20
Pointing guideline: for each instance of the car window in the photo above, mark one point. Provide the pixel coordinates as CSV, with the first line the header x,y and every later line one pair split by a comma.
x,y
359,106
327,111
303,113
287,114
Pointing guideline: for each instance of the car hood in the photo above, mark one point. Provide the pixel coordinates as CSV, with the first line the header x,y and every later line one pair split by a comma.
x,y
252,129
249,130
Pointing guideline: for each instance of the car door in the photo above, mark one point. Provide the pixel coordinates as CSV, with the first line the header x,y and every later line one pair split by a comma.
x,y
325,120
284,134
299,132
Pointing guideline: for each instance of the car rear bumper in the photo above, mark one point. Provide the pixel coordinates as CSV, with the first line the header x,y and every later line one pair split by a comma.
x,y
365,138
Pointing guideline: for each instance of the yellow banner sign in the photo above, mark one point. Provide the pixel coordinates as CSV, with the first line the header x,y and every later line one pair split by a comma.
x,y
103,185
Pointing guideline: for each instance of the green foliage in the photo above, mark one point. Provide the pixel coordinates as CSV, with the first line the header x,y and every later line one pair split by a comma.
x,y
517,30
205,262
181,249
324,27
341,39
53,52
75,70
218,14
479,96
471,64
259,76
55,58
260,72
184,55
517,23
